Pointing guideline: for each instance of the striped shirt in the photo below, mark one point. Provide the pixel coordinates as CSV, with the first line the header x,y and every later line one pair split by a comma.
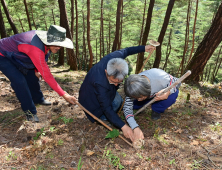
x,y
159,80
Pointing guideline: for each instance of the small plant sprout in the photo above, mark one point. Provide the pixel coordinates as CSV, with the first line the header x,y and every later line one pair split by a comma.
x,y
140,156
172,162
52,129
66,120
80,163
39,134
114,160
60,142
11,155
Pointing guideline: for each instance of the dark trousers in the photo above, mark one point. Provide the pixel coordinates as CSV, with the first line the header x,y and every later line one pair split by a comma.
x,y
158,106
26,87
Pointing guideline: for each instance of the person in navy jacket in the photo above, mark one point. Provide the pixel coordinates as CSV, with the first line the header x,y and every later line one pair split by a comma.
x,y
98,93
23,60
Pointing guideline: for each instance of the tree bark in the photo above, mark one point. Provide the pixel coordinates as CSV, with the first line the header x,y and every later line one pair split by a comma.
x,y
168,50
101,31
186,40
77,44
162,33
53,17
33,17
116,39
65,23
141,33
84,43
27,13
2,25
121,28
194,26
216,66
61,56
206,48
72,18
88,35
14,29
21,25
140,56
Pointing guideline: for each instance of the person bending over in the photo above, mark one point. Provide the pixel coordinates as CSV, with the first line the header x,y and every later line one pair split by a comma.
x,y
98,92
143,87
23,60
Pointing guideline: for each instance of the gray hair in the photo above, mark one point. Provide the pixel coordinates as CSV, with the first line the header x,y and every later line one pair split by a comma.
x,y
137,86
118,68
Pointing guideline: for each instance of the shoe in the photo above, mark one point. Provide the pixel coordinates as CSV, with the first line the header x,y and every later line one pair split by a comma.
x,y
45,102
103,117
107,123
31,117
155,115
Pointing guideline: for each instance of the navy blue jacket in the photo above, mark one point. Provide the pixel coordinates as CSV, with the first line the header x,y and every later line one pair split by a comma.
x,y
96,94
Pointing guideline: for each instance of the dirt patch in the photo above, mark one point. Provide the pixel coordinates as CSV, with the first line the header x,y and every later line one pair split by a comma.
x,y
188,135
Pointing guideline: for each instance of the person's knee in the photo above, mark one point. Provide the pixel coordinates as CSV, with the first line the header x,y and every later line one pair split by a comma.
x,y
19,84
117,102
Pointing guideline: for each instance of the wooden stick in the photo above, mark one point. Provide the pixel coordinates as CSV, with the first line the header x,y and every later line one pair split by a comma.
x,y
166,90
100,121
146,60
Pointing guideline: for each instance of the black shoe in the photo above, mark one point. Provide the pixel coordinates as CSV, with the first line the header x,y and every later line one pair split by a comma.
x,y
46,103
32,117
155,115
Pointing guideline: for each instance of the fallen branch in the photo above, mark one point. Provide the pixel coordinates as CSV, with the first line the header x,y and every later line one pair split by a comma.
x,y
100,121
212,158
166,90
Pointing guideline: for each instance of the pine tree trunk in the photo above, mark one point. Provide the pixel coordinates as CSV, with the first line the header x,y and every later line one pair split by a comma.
x,y
65,23
21,25
206,48
84,43
194,26
33,17
186,40
140,56
168,49
121,28
162,33
116,39
27,13
142,26
2,25
53,17
77,43
102,31
88,35
9,17
216,65
61,56
72,18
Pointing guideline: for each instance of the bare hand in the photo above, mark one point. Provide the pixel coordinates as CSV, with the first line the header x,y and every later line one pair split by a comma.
x,y
149,48
163,96
37,74
128,132
70,99
138,134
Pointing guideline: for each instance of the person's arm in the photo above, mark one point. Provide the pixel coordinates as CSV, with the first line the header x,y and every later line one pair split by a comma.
x,y
128,112
38,58
106,105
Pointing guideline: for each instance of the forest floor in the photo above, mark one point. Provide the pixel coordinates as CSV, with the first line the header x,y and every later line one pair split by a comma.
x,y
188,135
